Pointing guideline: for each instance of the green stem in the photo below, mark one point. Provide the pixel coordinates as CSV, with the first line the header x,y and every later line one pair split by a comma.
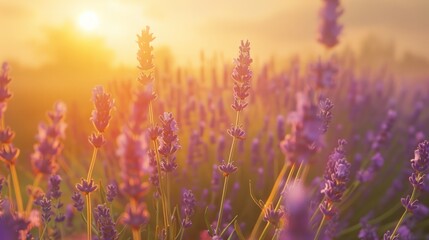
x,y
92,164
225,183
16,188
405,212
88,216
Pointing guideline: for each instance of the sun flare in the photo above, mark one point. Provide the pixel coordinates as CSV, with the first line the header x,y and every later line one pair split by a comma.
x,y
88,21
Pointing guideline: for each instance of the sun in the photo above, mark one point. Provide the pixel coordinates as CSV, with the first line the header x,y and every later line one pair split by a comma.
x,y
88,21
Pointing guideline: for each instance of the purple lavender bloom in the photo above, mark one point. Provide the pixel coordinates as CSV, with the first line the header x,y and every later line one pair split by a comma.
x,y
5,94
112,192
106,225
135,217
410,205
132,154
169,142
384,132
227,168
103,104
45,204
420,162
78,202
54,186
329,28
49,141
6,135
188,208
273,216
9,154
325,113
86,187
242,76
237,132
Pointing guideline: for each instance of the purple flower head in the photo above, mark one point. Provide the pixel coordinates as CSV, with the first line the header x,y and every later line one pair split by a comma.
x,y
145,58
54,186
136,216
227,168
242,76
105,223
45,204
329,28
103,104
334,190
237,132
325,113
417,181
273,216
9,154
5,94
86,187
132,154
420,162
97,140
6,135
188,207
154,132
168,142
112,192
409,205
134,188
336,156
328,210
78,202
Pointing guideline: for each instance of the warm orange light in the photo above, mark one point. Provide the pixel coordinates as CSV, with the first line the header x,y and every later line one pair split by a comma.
x,y
88,21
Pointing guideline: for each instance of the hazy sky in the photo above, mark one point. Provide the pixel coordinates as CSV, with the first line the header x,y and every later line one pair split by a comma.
x,y
188,26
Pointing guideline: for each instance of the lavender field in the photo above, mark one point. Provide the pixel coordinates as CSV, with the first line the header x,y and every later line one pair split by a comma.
x,y
323,144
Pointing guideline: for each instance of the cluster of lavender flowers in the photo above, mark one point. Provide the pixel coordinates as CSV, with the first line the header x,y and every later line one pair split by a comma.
x,y
174,177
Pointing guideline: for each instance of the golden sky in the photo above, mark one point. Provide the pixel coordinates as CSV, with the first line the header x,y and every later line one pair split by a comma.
x,y
189,26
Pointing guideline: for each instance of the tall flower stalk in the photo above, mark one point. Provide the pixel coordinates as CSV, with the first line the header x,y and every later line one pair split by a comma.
x,y
242,76
48,147
8,153
420,164
146,79
100,118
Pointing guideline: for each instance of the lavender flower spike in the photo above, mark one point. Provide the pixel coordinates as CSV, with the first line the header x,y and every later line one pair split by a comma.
x,y
329,28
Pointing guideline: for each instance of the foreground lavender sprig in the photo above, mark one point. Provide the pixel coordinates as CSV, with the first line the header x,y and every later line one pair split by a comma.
x,y
8,153
337,175
106,225
100,118
242,76
419,164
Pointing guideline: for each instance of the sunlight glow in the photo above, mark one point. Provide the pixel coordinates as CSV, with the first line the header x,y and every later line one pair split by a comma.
x,y
88,21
